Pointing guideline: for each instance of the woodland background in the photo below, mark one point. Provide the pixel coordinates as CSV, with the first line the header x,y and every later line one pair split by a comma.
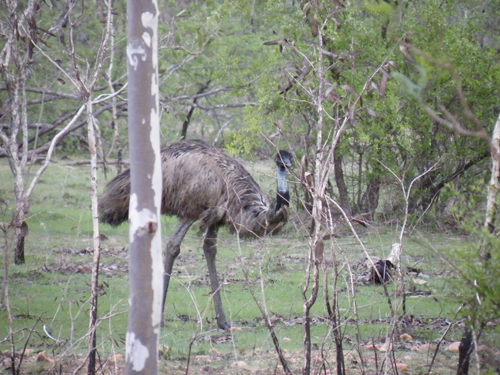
x,y
389,107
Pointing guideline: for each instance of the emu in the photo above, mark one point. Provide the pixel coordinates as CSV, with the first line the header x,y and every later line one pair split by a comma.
x,y
202,183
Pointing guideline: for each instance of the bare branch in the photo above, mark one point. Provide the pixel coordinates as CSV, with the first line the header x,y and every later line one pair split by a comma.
x,y
219,106
53,143
453,124
58,94
172,69
58,66
201,95
468,114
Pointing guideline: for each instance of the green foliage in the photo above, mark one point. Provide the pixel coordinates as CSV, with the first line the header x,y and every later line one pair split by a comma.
x,y
479,282
412,89
379,9
225,42
393,131
478,265
232,56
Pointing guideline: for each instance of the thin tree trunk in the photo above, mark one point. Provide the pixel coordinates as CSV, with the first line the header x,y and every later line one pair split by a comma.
x,y
114,108
145,259
493,186
340,181
186,122
464,353
17,158
370,199
21,231
336,323
94,285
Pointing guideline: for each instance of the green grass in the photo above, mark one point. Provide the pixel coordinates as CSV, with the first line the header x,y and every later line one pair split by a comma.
x,y
53,285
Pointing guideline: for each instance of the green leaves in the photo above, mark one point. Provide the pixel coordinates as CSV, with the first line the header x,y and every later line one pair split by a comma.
x,y
380,9
409,87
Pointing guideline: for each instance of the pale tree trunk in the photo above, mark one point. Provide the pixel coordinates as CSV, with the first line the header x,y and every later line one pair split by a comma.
x,y
94,285
326,143
493,186
145,259
311,285
18,163
13,62
114,109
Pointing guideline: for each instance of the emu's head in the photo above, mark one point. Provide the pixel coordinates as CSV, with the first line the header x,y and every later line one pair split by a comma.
x,y
283,160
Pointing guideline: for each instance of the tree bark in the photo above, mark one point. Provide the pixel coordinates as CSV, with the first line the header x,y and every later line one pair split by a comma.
x,y
186,122
340,181
145,263
493,185
21,232
94,285
464,352
370,198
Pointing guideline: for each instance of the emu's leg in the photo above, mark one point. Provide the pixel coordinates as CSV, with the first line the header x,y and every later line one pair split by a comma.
x,y
173,250
210,250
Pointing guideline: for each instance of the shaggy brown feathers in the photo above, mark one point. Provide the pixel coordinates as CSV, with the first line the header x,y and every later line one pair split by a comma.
x,y
201,182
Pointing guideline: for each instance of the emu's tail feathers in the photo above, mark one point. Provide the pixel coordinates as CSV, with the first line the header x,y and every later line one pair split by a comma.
x,y
114,203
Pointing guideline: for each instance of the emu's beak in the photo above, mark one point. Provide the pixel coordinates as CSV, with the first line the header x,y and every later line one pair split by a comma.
x,y
284,160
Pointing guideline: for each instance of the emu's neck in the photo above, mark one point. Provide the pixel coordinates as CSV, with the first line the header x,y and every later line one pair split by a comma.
x,y
283,196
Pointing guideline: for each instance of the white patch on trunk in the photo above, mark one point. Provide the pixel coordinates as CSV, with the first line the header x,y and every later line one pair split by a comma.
x,y
135,52
138,227
147,39
136,353
150,21
157,182
157,282
139,219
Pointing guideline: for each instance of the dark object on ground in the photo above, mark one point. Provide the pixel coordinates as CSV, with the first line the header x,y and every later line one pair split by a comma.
x,y
381,272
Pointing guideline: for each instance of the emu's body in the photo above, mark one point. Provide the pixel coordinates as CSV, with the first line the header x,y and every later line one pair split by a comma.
x,y
202,183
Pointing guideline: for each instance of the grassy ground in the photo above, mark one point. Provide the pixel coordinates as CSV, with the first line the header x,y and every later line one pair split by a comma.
x,y
52,290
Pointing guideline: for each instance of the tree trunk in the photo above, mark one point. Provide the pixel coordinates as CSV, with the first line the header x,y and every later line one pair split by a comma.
x,y
186,122
22,208
464,352
341,186
493,185
145,259
94,285
21,232
369,201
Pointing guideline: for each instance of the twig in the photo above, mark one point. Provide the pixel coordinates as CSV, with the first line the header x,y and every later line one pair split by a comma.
x,y
27,341
437,347
263,310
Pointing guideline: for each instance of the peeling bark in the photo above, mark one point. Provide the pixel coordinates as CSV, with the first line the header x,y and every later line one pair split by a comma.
x,y
145,263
